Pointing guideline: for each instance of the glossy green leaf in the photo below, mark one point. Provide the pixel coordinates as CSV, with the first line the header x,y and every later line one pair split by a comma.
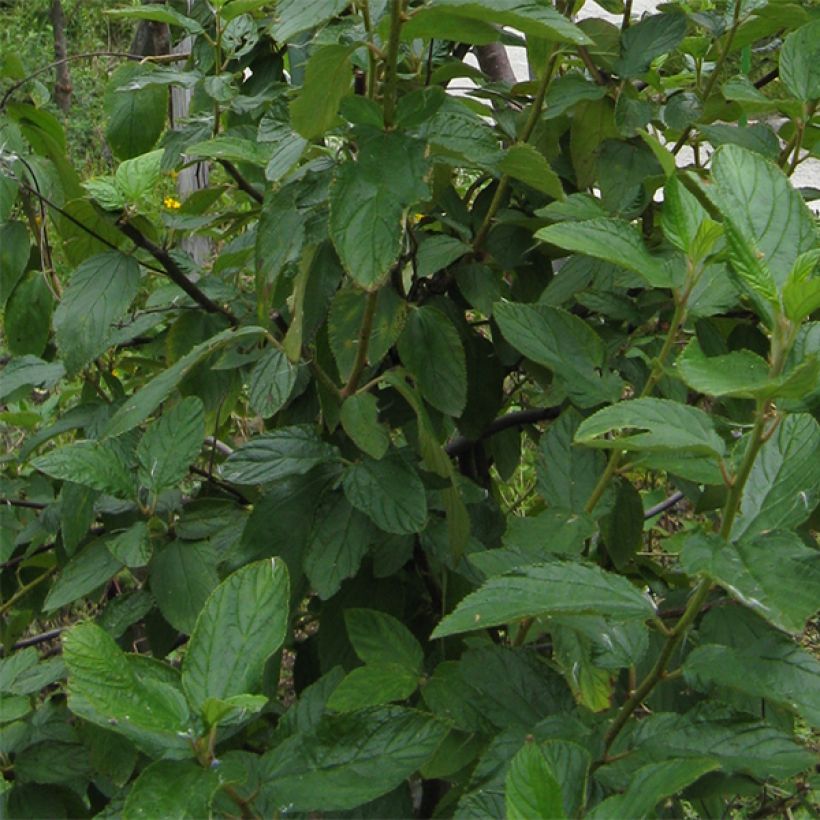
x,y
374,684
232,710
566,344
170,444
347,760
542,590
242,624
368,200
106,689
531,789
183,575
14,252
27,316
271,382
799,60
653,36
389,492
295,16
613,240
88,570
271,456
100,465
801,293
140,405
527,16
658,425
380,638
360,420
132,547
784,486
774,574
525,163
181,789
775,669
431,349
136,116
327,79
339,539
682,215
740,373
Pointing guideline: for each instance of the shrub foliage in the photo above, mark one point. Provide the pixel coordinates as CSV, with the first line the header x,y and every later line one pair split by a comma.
x,y
475,467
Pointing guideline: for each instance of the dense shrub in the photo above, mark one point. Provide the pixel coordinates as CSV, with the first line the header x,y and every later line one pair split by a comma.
x,y
475,469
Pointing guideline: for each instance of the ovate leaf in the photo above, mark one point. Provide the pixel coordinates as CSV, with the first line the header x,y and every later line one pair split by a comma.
x,y
241,625
774,574
525,163
172,788
284,452
170,445
89,569
431,349
531,789
800,62
295,16
96,464
328,76
613,240
654,425
380,638
347,760
541,590
373,685
653,36
271,383
360,420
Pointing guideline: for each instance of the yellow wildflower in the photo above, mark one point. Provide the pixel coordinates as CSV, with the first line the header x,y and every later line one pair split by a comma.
x,y
171,203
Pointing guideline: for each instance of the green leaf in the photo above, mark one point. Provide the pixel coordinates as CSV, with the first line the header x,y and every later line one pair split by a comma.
x,y
739,744
389,492
527,164
543,590
622,528
180,789
784,486
133,546
232,149
566,344
431,349
347,760
232,710
527,16
764,242
775,669
740,373
799,61
360,419
98,294
368,200
183,575
287,451
682,215
613,240
773,574
295,16
553,531
566,473
380,638
373,685
438,251
271,382
328,75
105,688
100,465
531,790
14,253
88,570
652,783
170,445
340,538
135,117
139,406
28,315
29,371
653,36
158,14
76,514
242,624
801,293
667,426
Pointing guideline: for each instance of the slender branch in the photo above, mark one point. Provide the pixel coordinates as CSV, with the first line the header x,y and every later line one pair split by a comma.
x,y
461,444
173,271
767,78
43,637
22,502
218,445
159,58
13,562
664,505
243,183
25,589
363,344
228,488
